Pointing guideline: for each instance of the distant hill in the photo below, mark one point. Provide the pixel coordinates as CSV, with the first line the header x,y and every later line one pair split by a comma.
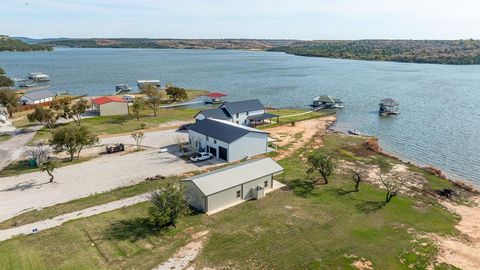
x,y
453,52
37,40
241,44
11,44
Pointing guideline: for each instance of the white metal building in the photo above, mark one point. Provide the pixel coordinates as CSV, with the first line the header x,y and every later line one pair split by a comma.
x,y
245,112
215,191
37,97
227,140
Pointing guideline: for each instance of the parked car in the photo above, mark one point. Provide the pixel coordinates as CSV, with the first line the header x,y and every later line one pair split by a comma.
x,y
201,157
115,148
184,127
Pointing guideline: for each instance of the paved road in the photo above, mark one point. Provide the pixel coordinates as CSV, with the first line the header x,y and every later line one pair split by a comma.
x,y
59,220
12,149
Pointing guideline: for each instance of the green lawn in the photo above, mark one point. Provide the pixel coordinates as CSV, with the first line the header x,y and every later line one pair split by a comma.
x,y
305,227
123,124
295,117
5,137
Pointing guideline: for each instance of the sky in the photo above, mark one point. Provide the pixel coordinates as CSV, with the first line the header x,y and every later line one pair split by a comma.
x,y
269,19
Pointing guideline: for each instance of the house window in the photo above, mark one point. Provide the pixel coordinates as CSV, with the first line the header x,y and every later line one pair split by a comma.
x,y
265,184
238,193
214,141
237,115
247,113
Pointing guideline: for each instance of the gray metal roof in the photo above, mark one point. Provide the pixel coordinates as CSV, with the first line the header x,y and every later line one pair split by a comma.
x,y
259,117
327,99
217,113
222,130
219,180
243,106
38,95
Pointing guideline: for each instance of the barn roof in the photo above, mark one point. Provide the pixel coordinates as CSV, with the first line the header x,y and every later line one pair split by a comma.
x,y
220,180
104,100
38,95
217,113
222,130
243,106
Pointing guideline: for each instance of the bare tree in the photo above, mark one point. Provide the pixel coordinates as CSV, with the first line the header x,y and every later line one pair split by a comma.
x,y
39,153
138,138
358,174
391,186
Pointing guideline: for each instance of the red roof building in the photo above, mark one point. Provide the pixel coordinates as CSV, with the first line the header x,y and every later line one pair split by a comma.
x,y
104,100
216,95
106,106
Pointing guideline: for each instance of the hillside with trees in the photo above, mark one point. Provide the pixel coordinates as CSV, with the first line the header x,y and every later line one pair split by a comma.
x,y
453,52
238,44
10,44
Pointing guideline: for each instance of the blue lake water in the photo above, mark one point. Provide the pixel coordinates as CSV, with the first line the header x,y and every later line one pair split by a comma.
x,y
439,122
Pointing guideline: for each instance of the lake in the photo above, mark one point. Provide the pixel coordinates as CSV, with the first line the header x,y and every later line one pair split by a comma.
x,y
439,122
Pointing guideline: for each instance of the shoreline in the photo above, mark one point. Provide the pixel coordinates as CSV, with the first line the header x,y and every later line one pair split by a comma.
x,y
469,185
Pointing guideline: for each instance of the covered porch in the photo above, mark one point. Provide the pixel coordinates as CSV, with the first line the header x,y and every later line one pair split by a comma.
x,y
260,119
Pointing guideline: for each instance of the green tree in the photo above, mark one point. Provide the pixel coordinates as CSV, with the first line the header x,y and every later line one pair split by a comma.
x,y
323,163
2,71
176,93
69,110
9,99
72,139
167,204
154,97
49,166
6,81
137,106
45,116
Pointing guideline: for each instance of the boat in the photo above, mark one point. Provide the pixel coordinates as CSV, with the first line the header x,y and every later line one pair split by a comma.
x,y
141,83
354,132
122,89
38,77
389,106
27,85
327,101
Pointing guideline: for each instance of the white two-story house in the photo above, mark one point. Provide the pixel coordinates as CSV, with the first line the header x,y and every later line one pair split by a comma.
x,y
246,112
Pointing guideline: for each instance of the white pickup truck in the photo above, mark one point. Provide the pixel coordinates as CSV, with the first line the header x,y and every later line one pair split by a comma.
x,y
201,157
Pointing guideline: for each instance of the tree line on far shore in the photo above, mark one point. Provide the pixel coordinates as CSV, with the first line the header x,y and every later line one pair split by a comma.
x,y
453,52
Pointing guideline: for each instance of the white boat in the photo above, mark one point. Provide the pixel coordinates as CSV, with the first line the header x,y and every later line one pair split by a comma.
x,y
354,132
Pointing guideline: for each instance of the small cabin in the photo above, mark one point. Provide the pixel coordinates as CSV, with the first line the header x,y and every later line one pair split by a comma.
x,y
389,106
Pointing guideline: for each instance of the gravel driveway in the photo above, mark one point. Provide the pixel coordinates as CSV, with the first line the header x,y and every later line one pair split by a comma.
x,y
12,149
32,191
